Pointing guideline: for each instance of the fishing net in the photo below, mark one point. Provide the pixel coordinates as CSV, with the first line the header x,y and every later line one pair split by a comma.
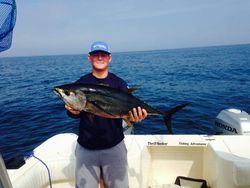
x,y
7,23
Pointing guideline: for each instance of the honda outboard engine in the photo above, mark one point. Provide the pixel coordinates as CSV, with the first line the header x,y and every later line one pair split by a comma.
x,y
232,122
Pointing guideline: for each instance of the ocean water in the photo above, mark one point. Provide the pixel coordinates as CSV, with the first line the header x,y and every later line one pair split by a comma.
x,y
210,79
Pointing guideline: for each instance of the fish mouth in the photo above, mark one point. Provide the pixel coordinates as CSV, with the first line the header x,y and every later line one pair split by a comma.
x,y
58,91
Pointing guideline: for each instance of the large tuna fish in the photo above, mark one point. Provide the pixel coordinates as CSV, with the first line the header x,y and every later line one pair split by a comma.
x,y
108,102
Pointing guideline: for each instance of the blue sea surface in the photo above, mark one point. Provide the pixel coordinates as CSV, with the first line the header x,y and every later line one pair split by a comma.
x,y
210,79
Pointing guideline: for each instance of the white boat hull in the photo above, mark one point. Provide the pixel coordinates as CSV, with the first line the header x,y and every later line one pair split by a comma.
x,y
154,161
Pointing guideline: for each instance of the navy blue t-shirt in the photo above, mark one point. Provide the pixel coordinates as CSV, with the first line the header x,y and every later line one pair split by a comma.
x,y
96,132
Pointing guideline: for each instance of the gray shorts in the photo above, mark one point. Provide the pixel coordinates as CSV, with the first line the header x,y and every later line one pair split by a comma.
x,y
110,163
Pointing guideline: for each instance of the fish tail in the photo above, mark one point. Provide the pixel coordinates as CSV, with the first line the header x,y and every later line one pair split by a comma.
x,y
168,115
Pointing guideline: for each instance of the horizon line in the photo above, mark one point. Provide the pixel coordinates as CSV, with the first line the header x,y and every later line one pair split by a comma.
x,y
136,51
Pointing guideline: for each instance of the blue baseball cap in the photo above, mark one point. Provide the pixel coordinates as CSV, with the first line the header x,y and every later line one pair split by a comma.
x,y
99,46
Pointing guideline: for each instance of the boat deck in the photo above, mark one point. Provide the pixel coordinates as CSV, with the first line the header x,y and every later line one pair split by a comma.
x,y
154,161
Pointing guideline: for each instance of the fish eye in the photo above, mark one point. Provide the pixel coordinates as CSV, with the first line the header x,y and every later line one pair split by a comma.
x,y
67,93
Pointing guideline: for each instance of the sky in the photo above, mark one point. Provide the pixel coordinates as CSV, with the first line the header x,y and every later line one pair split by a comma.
x,y
58,27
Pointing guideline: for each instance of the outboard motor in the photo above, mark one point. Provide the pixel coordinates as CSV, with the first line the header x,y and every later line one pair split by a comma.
x,y
232,122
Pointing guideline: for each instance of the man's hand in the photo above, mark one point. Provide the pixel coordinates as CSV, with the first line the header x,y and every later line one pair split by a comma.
x,y
72,111
137,115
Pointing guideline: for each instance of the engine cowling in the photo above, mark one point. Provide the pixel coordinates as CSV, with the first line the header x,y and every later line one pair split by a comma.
x,y
232,122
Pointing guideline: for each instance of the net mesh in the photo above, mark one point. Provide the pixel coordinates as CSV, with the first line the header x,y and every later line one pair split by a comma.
x,y
7,23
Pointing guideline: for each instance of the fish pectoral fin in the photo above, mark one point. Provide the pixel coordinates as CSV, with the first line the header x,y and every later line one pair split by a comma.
x,y
128,122
101,109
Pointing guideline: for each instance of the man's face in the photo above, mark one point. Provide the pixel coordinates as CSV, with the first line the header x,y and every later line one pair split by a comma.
x,y
100,60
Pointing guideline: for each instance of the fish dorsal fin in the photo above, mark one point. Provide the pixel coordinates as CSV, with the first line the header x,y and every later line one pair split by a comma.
x,y
132,89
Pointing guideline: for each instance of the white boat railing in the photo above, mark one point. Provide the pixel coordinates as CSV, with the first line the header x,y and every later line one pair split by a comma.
x,y
4,177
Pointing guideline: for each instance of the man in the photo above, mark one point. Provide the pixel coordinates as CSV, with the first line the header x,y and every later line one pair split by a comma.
x,y
101,149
